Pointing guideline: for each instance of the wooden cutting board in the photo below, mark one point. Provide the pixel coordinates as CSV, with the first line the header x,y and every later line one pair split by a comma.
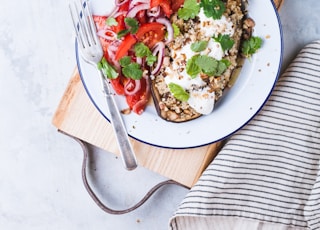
x,y
77,116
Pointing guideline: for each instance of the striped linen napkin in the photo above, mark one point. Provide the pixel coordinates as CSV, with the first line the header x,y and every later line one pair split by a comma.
x,y
267,176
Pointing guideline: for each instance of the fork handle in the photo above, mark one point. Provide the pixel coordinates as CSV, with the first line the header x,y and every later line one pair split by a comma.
x,y
126,151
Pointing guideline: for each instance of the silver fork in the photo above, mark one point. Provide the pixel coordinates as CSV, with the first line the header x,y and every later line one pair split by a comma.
x,y
91,51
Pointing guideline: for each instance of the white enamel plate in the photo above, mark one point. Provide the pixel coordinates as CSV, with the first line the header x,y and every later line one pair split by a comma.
x,y
237,107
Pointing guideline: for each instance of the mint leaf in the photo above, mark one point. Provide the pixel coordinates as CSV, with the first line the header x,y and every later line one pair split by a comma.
x,y
178,92
176,30
199,46
122,33
107,69
133,24
222,66
207,64
189,10
142,50
151,60
192,68
132,27
251,46
111,22
125,61
213,8
132,71
225,41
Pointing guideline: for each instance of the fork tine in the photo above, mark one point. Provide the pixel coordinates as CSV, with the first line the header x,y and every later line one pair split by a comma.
x,y
91,24
84,18
76,24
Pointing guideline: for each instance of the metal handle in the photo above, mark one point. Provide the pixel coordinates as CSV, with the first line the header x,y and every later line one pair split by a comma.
x,y
126,151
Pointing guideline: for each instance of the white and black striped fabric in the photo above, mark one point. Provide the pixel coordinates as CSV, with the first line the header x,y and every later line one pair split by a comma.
x,y
267,176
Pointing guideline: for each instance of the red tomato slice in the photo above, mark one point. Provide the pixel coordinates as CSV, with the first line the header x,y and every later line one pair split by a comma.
x,y
151,33
176,4
138,101
164,4
128,41
120,19
117,85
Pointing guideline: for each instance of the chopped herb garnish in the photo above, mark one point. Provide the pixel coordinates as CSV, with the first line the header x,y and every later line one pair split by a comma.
x,y
189,10
151,60
107,69
213,8
111,22
125,61
251,46
176,30
225,41
178,92
192,68
142,50
130,69
207,65
122,33
199,46
133,26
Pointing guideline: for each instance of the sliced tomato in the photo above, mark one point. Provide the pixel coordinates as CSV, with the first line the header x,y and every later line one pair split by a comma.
x,y
126,44
117,85
176,4
100,22
151,33
164,4
138,101
142,17
120,19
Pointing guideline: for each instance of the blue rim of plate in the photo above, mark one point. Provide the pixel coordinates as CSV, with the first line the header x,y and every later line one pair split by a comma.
x,y
214,141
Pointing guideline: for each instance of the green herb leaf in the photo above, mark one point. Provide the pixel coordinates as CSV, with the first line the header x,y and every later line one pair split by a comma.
x,y
251,46
125,61
132,71
192,68
176,30
189,10
213,8
207,64
178,92
199,46
133,24
142,50
107,69
122,33
225,41
111,22
151,60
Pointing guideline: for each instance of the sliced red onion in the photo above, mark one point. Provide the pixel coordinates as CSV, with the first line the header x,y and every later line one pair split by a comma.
x,y
135,2
133,11
139,60
105,34
129,89
154,12
169,27
138,108
119,13
120,2
158,50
